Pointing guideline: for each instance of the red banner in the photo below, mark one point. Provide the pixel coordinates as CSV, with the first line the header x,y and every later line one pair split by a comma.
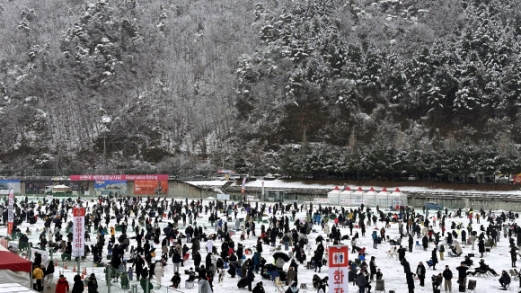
x,y
78,216
119,177
151,187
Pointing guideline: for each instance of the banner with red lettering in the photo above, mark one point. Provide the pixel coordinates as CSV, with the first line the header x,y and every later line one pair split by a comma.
x,y
119,177
149,187
10,212
78,234
338,269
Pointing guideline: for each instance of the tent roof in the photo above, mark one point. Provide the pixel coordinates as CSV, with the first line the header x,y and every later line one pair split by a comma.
x,y
347,188
336,188
11,261
14,288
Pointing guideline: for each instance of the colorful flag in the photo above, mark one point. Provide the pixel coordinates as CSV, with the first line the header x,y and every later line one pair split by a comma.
x,y
243,186
10,212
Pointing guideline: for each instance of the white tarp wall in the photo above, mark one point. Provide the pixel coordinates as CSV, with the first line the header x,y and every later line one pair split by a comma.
x,y
398,198
357,197
345,196
370,198
334,195
383,199
14,288
22,278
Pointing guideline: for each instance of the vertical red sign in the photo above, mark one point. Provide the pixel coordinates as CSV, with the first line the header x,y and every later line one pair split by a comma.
x,y
78,234
338,269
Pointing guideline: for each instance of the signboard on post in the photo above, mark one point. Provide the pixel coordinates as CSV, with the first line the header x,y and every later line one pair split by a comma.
x,y
338,269
10,212
78,235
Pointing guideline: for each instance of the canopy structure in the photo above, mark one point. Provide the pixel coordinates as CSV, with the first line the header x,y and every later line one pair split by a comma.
x,y
397,198
334,195
370,197
345,195
14,288
357,197
383,198
14,269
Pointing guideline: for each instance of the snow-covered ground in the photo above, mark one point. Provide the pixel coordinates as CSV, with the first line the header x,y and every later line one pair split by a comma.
x,y
498,258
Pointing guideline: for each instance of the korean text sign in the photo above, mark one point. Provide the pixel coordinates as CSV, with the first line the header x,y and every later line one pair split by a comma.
x,y
78,235
338,269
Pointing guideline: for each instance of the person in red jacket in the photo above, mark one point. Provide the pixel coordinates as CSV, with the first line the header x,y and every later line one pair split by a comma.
x,y
62,286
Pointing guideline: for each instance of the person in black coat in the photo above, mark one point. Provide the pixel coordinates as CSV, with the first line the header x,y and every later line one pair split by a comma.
x,y
78,286
463,236
420,272
197,258
372,267
425,242
406,266
434,257
401,253
259,288
410,282
513,255
411,242
462,273
250,274
139,263
505,279
481,247
176,280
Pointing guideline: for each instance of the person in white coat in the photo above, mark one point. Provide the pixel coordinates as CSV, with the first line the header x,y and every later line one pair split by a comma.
x,y
158,272
209,246
326,229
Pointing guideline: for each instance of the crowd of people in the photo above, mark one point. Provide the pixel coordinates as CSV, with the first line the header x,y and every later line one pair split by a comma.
x,y
141,236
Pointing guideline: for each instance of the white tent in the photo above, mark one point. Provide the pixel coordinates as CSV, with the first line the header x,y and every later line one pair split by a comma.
x,y
357,197
383,198
345,196
370,197
397,198
333,195
14,269
14,288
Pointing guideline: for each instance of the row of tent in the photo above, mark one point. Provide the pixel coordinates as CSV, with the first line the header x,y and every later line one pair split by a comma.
x,y
383,198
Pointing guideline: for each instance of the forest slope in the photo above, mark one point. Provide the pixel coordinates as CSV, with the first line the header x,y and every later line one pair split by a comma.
x,y
348,87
